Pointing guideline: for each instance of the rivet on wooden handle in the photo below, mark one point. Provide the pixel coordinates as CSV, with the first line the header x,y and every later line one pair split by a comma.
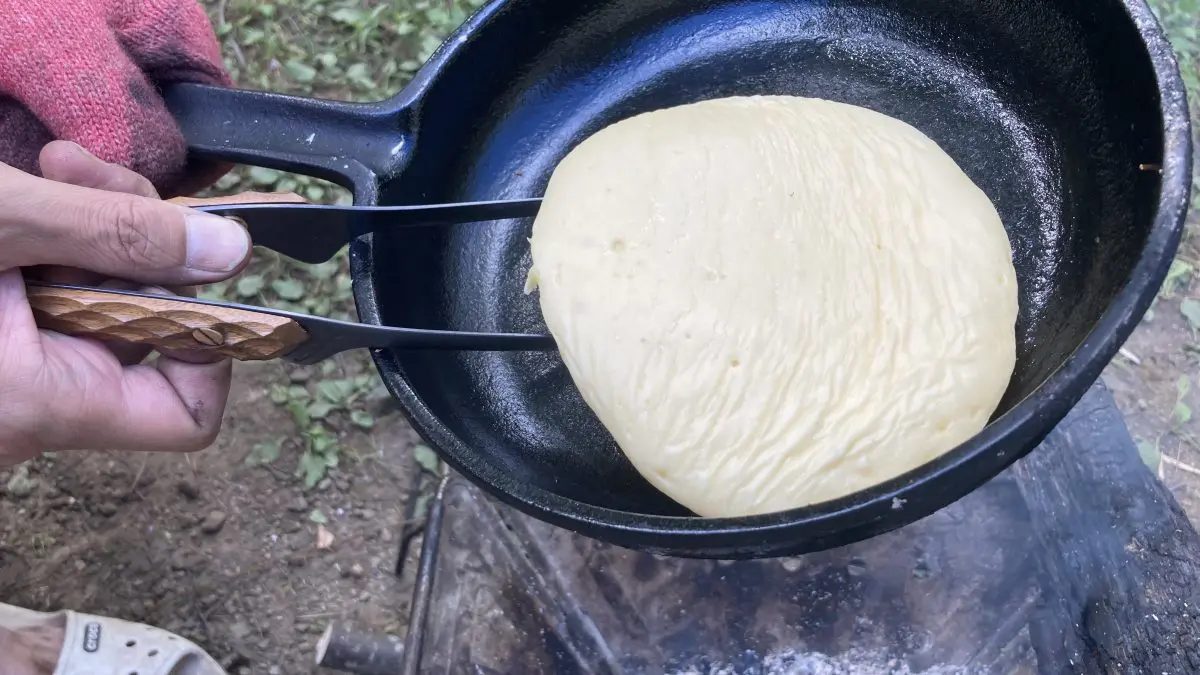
x,y
165,323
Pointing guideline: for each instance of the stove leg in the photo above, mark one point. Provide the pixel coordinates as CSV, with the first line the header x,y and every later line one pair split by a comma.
x,y
414,523
344,650
1119,559
423,586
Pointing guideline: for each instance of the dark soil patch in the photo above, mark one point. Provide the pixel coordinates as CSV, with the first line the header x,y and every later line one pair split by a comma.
x,y
220,552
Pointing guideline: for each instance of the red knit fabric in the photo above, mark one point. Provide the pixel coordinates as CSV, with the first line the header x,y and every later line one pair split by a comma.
x,y
88,71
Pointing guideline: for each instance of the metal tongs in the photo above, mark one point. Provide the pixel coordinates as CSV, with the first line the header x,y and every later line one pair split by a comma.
x,y
248,333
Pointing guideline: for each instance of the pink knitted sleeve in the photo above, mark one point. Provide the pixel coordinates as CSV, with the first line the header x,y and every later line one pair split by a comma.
x,y
89,70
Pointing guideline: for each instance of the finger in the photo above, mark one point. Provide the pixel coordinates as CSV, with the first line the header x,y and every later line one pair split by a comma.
x,y
73,276
174,407
68,162
18,331
191,357
65,393
70,276
19,342
188,399
128,354
122,236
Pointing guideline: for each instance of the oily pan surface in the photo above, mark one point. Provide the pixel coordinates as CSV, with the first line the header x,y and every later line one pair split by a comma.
x,y
1029,98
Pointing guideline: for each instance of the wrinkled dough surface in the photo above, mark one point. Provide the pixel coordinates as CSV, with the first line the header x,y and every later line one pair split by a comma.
x,y
775,301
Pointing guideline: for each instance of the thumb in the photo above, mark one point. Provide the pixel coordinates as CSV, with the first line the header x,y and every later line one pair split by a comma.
x,y
119,235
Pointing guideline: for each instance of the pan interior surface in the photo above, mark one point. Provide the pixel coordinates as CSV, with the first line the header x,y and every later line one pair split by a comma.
x,y
1049,106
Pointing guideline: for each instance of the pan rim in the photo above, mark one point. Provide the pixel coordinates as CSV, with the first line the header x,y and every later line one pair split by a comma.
x,y
886,506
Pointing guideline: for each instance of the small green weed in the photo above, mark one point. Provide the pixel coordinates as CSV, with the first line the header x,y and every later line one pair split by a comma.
x,y
324,410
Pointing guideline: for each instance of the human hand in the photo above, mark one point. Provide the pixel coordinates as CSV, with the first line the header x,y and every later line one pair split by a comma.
x,y
63,393
89,70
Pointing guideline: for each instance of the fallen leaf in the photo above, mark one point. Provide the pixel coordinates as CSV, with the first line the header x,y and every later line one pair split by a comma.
x,y
20,484
324,538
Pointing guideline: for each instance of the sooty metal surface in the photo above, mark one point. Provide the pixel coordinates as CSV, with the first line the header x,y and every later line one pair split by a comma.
x,y
1049,106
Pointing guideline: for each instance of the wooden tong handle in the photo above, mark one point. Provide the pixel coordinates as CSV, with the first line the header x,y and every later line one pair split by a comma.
x,y
242,198
169,322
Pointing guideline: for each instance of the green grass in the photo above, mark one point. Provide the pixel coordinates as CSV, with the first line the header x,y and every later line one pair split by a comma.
x,y
1181,20
349,50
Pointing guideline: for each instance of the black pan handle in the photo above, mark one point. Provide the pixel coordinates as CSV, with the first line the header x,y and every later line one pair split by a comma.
x,y
356,145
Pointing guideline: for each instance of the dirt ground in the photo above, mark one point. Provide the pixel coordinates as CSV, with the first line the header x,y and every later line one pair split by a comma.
x,y
1155,382
221,552
230,548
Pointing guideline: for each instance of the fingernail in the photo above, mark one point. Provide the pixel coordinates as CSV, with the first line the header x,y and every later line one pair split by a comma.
x,y
215,244
82,150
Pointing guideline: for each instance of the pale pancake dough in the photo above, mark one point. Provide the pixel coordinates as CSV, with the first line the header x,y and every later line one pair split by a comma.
x,y
775,301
